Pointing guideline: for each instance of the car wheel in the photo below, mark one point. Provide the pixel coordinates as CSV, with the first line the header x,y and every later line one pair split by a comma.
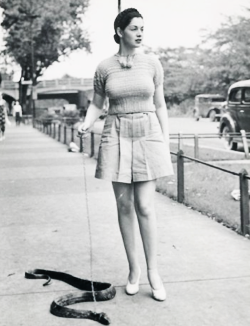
x,y
212,115
228,140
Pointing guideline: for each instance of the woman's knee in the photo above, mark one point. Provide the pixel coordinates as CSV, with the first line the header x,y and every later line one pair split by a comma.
x,y
144,209
125,207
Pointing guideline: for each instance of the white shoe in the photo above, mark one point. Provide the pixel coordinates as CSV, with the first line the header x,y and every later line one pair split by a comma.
x,y
132,289
159,295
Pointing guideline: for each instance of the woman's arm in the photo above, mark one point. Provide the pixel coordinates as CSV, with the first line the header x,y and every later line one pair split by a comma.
x,y
161,111
93,113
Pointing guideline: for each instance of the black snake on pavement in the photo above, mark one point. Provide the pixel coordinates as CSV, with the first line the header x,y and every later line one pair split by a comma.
x,y
102,291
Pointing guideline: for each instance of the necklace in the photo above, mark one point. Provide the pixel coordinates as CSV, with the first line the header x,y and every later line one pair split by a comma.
x,y
126,61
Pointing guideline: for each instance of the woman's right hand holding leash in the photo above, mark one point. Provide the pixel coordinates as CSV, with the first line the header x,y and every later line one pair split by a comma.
x,y
83,130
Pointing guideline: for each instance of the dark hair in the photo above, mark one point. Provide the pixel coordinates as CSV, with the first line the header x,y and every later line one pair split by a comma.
x,y
123,19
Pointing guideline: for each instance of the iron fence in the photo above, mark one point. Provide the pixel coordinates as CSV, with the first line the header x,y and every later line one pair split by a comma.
x,y
243,181
242,136
65,134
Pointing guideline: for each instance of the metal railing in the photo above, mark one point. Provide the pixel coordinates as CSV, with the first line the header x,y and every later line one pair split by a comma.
x,y
242,136
243,180
66,134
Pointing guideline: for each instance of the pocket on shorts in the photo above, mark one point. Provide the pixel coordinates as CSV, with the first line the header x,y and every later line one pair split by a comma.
x,y
154,124
109,133
108,125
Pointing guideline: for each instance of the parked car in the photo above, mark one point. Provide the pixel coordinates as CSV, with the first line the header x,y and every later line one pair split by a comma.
x,y
237,113
209,106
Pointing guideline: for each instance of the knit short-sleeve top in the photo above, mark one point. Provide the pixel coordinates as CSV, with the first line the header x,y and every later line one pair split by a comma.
x,y
132,89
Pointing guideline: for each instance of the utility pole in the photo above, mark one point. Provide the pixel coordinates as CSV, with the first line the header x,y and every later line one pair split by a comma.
x,y
119,6
32,68
32,72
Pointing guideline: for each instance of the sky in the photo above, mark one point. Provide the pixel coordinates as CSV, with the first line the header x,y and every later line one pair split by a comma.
x,y
167,23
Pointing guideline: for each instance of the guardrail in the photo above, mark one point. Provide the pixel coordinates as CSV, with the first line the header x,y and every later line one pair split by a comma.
x,y
243,179
9,84
242,136
65,134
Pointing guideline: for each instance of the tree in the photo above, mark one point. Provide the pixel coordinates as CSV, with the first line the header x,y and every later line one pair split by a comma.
x,y
38,32
221,59
227,52
183,73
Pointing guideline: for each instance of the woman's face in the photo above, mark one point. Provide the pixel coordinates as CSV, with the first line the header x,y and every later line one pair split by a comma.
x,y
132,35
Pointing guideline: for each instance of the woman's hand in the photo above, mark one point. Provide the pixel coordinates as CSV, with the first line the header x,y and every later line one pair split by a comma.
x,y
93,113
83,130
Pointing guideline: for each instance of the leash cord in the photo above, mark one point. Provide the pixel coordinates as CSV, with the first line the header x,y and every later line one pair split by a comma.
x,y
89,227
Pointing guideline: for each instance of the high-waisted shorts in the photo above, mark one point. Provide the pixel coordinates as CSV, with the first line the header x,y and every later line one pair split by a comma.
x,y
133,149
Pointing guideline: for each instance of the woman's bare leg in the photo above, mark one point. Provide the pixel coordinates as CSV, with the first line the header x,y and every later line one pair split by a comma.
x,y
144,193
124,194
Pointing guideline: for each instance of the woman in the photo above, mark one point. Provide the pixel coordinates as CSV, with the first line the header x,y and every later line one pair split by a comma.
x,y
134,149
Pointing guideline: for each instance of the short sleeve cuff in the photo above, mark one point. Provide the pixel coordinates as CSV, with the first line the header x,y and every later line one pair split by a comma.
x,y
99,82
159,74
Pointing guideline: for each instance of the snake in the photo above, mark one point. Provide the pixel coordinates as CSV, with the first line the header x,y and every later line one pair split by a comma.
x,y
101,292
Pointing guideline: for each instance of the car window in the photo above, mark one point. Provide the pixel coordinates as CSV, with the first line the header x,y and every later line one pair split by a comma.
x,y
204,100
246,95
218,99
235,95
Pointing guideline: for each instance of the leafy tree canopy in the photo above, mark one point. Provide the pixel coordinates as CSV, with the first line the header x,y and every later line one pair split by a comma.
x,y
221,59
48,28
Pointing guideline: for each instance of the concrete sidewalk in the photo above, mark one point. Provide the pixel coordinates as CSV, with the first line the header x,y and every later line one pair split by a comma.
x,y
205,266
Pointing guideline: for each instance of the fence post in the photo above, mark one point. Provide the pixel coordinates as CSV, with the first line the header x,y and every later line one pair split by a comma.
x,y
92,144
244,140
72,134
59,132
244,203
65,134
54,130
50,129
180,141
196,146
180,177
81,145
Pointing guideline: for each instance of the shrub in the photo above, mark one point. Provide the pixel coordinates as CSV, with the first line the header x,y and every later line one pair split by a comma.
x,y
70,117
47,118
184,109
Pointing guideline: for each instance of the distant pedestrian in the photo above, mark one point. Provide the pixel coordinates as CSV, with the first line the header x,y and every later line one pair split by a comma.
x,y
134,148
17,112
3,117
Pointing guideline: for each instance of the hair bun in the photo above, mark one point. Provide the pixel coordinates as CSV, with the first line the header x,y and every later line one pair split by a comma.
x,y
117,38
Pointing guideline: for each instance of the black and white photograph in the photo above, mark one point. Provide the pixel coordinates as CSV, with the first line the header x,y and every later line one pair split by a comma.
x,y
124,162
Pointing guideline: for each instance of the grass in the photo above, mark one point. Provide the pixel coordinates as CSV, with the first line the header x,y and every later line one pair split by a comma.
x,y
208,190
184,109
206,154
